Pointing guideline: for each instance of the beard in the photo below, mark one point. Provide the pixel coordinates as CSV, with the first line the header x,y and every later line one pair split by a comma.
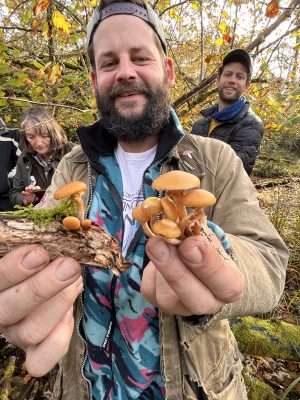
x,y
229,99
135,128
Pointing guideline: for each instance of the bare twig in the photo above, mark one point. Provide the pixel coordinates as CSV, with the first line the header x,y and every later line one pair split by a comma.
x,y
44,104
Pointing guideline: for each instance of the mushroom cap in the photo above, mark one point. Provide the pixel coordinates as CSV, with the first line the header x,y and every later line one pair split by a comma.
x,y
176,180
166,228
198,198
70,189
151,206
139,214
71,223
169,208
86,224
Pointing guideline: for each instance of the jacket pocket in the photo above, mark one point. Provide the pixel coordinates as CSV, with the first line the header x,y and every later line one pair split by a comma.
x,y
211,360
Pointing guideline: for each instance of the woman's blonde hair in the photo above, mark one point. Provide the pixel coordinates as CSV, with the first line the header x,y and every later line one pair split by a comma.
x,y
42,123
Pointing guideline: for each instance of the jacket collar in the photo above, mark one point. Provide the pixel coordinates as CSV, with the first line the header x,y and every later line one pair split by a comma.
x,y
207,113
96,141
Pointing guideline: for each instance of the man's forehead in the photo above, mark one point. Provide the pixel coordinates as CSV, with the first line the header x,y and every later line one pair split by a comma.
x,y
235,66
118,25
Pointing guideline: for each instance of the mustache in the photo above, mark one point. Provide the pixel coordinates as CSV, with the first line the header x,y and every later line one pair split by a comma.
x,y
126,88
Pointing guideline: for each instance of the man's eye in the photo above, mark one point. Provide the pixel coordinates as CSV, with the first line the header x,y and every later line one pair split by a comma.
x,y
107,65
141,60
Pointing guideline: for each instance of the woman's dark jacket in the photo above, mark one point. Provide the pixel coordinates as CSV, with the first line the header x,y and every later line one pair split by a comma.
x,y
9,153
28,166
243,133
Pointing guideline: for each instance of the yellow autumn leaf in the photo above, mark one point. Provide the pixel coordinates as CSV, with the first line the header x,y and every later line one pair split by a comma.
x,y
54,74
223,28
225,14
41,6
172,13
219,41
196,5
274,104
93,3
60,22
297,46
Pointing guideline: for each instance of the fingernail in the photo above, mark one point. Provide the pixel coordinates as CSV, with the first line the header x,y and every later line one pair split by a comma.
x,y
35,259
67,270
159,250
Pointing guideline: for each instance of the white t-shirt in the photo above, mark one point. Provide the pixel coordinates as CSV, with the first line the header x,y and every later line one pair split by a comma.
x,y
133,166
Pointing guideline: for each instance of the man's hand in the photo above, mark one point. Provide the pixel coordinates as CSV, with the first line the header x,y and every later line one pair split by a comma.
x,y
194,278
36,304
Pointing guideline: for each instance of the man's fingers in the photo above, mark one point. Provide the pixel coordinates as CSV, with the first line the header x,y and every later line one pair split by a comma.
x,y
157,291
207,260
148,283
34,328
21,263
191,292
20,300
42,358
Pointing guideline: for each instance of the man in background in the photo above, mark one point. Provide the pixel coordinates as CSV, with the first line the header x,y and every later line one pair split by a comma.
x,y
9,152
231,119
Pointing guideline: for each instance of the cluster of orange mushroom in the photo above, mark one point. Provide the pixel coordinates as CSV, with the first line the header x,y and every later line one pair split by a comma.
x,y
179,213
74,191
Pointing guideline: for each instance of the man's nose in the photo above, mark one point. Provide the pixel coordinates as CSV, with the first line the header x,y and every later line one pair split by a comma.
x,y
126,70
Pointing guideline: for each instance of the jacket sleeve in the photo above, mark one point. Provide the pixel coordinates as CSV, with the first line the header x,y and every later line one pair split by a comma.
x,y
18,186
246,142
258,250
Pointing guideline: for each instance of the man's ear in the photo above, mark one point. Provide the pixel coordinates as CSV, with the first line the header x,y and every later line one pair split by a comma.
x,y
169,65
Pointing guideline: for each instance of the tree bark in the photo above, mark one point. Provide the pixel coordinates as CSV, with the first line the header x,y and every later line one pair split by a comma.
x,y
93,247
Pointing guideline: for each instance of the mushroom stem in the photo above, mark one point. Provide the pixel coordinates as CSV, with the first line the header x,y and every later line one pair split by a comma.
x,y
77,198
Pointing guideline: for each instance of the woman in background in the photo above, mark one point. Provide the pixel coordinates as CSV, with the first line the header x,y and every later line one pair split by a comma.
x,y
44,143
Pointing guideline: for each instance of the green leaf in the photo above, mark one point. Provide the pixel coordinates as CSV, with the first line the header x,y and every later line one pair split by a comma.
x,y
5,69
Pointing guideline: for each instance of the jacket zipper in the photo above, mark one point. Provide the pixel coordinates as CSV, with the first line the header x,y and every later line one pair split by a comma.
x,y
84,356
110,331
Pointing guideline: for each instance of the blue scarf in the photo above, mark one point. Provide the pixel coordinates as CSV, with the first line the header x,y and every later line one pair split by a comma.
x,y
230,112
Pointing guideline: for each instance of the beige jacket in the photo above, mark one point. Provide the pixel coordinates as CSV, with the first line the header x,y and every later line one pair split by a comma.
x,y
203,354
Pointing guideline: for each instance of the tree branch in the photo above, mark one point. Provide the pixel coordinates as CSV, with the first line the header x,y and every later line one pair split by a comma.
x,y
258,40
18,28
72,15
173,6
44,104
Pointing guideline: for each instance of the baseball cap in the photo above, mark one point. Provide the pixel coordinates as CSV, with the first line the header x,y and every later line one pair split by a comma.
x,y
145,12
241,56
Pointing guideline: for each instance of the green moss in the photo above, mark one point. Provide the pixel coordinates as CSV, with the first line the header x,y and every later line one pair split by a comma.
x,y
267,338
42,216
258,390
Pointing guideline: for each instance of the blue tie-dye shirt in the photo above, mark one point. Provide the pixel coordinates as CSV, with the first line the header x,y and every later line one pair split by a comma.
x,y
120,327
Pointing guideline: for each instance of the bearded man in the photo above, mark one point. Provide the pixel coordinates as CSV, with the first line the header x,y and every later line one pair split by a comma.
x,y
160,329
231,119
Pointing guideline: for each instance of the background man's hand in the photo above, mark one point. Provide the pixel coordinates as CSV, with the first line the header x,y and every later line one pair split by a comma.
x,y
193,278
36,304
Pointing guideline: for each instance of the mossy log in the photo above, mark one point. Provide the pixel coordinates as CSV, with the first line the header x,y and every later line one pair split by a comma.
x,y
278,340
